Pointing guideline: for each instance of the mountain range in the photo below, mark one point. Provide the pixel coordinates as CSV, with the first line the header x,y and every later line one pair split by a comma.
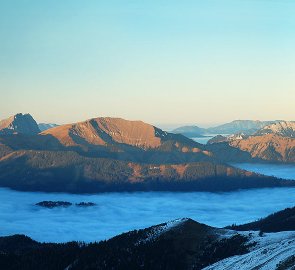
x,y
179,244
237,126
103,154
113,154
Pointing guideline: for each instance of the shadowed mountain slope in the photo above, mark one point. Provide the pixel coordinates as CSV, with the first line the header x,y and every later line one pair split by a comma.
x,y
19,124
67,171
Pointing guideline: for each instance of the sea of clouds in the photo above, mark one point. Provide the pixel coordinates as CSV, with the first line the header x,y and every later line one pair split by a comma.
x,y
121,212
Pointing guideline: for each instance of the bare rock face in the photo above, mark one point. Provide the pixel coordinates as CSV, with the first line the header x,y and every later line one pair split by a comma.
x,y
270,147
284,128
19,124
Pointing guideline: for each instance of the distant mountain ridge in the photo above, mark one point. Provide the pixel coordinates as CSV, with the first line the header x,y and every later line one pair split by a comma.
x,y
190,131
45,126
19,124
236,126
240,126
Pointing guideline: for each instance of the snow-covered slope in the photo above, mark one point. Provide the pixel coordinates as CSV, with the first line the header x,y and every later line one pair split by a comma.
x,y
273,250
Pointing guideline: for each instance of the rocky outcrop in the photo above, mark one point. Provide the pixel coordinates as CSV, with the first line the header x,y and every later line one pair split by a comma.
x,y
19,124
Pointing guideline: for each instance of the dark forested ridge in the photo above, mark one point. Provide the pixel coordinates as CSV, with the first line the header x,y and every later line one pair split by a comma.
x,y
67,171
280,221
182,244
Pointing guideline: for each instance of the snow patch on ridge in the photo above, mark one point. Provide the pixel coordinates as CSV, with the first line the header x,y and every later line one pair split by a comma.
x,y
270,250
155,232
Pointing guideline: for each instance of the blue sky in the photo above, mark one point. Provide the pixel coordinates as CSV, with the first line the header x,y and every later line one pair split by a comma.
x,y
164,62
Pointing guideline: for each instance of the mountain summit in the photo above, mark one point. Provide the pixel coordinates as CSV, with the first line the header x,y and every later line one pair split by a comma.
x,y
120,134
101,130
19,124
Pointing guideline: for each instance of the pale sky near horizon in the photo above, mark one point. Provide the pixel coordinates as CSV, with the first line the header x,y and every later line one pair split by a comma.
x,y
168,62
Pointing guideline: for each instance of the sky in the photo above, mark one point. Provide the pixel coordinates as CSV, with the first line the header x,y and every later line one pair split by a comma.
x,y
163,62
